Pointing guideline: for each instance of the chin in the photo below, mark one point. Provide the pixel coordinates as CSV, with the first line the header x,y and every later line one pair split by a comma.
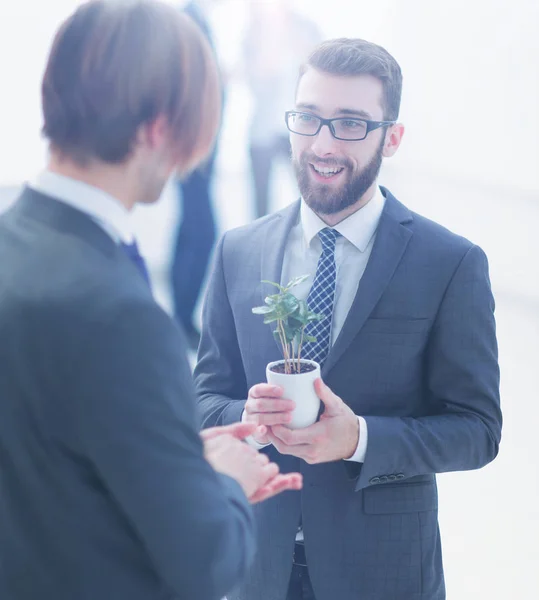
x,y
153,195
324,205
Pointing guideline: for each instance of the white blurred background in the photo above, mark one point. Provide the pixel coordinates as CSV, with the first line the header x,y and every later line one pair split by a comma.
x,y
470,160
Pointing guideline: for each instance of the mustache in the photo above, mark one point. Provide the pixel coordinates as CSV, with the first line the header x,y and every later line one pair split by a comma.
x,y
327,162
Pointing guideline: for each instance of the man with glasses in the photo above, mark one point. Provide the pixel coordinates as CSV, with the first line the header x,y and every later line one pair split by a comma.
x,y
407,347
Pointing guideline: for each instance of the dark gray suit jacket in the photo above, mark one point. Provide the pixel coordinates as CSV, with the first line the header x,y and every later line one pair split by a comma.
x,y
417,357
104,491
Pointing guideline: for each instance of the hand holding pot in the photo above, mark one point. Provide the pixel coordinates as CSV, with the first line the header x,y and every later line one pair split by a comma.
x,y
266,407
334,437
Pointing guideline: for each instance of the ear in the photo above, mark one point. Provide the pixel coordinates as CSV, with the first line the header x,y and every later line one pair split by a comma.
x,y
393,139
155,134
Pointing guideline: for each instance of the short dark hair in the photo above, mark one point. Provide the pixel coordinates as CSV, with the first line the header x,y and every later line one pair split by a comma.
x,y
353,56
117,65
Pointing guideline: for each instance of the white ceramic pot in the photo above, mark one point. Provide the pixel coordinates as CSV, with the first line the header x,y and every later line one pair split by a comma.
x,y
300,388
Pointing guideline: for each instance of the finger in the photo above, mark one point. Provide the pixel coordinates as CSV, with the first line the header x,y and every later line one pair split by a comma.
x,y
268,405
241,430
332,402
223,444
210,433
261,494
217,441
210,445
289,481
261,431
260,435
281,483
295,481
262,459
248,449
301,451
269,419
238,430
269,471
295,437
261,390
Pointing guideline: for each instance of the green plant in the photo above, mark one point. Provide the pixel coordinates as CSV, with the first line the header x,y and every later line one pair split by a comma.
x,y
291,317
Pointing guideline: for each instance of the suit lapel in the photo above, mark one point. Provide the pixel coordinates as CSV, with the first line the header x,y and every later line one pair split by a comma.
x,y
273,249
391,240
274,246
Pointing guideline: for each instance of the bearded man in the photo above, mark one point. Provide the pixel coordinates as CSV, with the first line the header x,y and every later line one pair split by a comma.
x,y
407,347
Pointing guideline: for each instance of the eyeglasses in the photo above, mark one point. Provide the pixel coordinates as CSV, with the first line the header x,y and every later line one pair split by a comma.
x,y
342,128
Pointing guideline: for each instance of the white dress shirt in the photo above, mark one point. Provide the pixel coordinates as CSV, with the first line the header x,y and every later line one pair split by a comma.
x,y
108,212
352,252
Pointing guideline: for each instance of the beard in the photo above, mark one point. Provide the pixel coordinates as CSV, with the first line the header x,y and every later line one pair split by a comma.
x,y
325,200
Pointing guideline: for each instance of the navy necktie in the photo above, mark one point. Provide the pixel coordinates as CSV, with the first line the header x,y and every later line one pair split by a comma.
x,y
132,252
321,298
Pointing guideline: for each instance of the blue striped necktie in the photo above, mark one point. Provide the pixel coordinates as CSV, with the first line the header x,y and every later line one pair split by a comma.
x,y
321,298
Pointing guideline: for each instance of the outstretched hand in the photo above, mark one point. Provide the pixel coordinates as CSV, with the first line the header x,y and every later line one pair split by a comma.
x,y
260,479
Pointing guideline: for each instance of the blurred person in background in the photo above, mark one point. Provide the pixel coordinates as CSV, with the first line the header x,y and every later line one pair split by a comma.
x,y
277,39
106,488
407,348
196,227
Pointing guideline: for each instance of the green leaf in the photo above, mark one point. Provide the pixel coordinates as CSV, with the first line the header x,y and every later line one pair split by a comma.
x,y
302,314
309,338
296,281
294,323
292,315
262,310
279,313
277,285
290,333
286,305
290,301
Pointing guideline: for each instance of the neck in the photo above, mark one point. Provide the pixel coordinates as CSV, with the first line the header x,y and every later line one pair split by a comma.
x,y
335,218
115,180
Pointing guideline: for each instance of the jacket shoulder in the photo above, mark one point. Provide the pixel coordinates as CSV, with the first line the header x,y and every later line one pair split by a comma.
x,y
436,243
438,235
259,228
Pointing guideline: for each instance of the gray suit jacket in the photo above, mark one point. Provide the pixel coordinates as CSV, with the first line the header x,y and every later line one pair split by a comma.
x,y
417,357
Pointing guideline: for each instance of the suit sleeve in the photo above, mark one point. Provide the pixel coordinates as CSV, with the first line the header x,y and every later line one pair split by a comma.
x,y
136,422
463,383
220,365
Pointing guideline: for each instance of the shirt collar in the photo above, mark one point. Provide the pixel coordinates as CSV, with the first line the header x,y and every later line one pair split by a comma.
x,y
358,228
103,208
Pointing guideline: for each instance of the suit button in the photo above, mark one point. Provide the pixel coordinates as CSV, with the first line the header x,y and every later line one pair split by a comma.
x,y
374,480
392,477
400,475
384,479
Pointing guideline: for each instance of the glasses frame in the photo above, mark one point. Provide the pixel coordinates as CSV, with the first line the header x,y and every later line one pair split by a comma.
x,y
371,125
